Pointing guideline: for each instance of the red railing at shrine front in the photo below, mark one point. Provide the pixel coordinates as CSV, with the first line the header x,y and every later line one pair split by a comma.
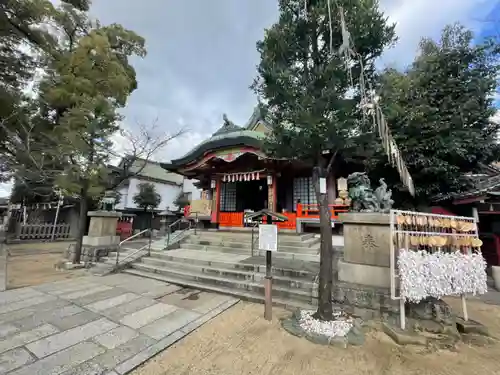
x,y
312,210
231,219
235,219
291,223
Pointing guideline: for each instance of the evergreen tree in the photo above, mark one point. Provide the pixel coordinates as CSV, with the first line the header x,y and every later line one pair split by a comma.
x,y
147,198
304,82
439,111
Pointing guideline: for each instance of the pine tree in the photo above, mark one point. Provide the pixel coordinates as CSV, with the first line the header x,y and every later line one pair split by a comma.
x,y
305,85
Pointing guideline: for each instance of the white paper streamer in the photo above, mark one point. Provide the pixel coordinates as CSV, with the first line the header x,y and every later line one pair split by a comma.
x,y
423,274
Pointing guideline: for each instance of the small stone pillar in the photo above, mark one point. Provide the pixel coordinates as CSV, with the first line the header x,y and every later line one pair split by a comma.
x,y
163,226
102,229
367,239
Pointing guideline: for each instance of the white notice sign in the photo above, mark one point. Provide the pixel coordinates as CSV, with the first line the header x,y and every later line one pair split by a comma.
x,y
322,185
268,237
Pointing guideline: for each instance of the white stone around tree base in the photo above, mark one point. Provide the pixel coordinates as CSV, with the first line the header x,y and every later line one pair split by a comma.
x,y
73,266
339,327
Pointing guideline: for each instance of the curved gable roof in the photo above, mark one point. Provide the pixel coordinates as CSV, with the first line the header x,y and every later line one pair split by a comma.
x,y
227,135
223,140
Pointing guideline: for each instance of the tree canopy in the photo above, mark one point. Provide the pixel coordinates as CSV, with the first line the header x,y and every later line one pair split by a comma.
x,y
182,200
147,197
61,135
439,111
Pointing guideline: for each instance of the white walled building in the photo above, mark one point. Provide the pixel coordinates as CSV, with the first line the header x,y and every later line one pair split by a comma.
x,y
167,184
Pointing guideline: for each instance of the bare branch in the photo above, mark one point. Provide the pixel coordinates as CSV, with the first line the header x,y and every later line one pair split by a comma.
x,y
142,146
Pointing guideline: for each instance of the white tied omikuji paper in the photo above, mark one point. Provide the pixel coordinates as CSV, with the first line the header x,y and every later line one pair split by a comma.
x,y
339,327
423,274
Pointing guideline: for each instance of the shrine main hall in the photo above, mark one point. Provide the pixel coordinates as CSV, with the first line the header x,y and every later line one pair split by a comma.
x,y
237,177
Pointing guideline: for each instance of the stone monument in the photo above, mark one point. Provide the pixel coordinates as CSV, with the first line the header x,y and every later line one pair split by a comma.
x,y
364,269
102,229
101,237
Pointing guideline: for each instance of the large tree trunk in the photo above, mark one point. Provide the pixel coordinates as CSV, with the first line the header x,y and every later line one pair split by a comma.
x,y
82,225
325,309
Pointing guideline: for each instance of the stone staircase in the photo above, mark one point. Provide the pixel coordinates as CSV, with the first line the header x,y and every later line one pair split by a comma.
x,y
107,264
222,261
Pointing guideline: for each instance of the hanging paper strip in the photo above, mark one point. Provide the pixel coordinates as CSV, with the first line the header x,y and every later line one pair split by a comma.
x,y
369,102
242,176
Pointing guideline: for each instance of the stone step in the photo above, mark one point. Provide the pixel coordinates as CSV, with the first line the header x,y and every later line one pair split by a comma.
x,y
297,248
282,240
249,286
306,270
242,294
303,283
311,256
247,232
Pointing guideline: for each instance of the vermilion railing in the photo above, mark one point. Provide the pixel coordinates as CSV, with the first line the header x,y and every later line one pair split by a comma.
x,y
291,223
235,219
231,219
312,210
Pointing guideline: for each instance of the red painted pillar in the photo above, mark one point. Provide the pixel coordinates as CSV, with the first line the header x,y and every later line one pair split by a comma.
x,y
274,194
216,207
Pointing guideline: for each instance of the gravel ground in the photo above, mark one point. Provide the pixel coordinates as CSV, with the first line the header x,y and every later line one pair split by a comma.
x,y
241,342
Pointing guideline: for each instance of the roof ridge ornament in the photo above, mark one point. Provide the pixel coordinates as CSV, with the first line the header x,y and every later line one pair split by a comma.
x,y
227,127
227,122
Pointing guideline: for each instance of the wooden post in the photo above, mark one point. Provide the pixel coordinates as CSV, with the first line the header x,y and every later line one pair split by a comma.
x,y
216,204
268,285
271,193
275,192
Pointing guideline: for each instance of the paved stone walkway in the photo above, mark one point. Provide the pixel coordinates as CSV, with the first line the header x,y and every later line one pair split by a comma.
x,y
97,325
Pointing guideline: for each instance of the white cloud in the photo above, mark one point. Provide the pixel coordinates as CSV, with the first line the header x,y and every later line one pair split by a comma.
x,y
5,189
426,18
414,20
496,117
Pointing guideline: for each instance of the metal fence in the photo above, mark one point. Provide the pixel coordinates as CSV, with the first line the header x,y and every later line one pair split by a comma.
x,y
42,231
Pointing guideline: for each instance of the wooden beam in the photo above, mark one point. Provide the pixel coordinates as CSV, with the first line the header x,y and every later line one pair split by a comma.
x,y
470,200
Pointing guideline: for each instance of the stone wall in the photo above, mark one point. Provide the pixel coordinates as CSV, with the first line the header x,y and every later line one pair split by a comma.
x,y
365,301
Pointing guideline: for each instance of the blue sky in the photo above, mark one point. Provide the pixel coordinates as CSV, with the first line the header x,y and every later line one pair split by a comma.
x,y
491,28
202,57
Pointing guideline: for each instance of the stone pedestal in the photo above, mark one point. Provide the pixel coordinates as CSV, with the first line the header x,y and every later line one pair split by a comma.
x,y
163,227
366,258
363,278
366,238
102,229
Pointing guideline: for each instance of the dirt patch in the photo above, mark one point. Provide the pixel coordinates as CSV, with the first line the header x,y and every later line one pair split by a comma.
x,y
28,270
29,248
240,341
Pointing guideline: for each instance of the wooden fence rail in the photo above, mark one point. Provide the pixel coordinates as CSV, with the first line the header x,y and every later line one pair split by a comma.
x,y
42,231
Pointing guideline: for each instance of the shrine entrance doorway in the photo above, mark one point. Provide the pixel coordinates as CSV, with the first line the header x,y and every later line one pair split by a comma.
x,y
251,195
